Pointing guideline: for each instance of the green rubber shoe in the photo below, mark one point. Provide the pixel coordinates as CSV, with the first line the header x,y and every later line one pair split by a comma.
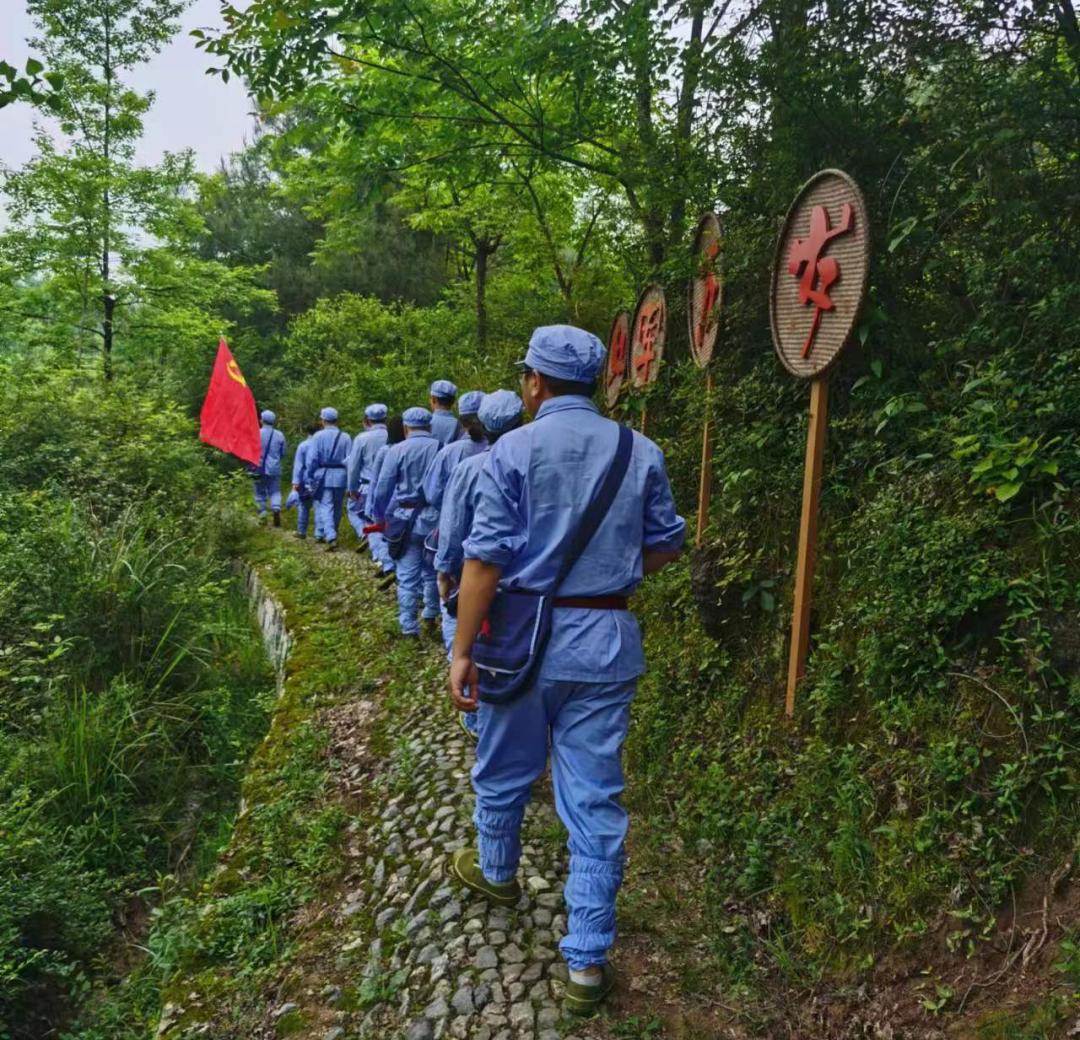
x,y
465,868
584,1000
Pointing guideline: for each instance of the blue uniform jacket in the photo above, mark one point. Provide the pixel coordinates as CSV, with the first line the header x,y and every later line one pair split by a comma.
x,y
272,448
456,516
327,462
443,426
438,474
300,461
530,497
365,447
401,476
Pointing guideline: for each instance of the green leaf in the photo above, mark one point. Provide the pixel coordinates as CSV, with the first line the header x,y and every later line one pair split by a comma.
x,y
1003,492
33,66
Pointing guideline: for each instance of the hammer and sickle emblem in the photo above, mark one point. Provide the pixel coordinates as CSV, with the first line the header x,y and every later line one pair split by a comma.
x,y
234,370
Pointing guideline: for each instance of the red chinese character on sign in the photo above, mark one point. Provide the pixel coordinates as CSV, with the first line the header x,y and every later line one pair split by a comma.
x,y
650,326
712,293
617,366
818,274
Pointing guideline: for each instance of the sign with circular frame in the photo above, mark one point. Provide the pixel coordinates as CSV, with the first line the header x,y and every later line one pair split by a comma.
x,y
618,357
647,334
705,294
819,274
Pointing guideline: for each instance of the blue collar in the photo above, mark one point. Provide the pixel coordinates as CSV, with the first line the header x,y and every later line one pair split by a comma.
x,y
566,403
417,431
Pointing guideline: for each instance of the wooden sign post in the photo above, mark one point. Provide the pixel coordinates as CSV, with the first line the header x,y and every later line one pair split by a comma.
x,y
618,356
647,336
704,299
819,278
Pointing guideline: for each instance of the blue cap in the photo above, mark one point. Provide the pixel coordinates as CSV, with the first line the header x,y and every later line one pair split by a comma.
x,y
416,417
329,414
293,500
375,412
470,402
565,352
443,388
268,417
500,410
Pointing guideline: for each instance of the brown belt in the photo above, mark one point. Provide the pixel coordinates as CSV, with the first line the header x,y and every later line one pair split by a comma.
x,y
593,602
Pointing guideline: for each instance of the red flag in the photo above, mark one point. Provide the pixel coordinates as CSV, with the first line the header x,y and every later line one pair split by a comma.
x,y
229,420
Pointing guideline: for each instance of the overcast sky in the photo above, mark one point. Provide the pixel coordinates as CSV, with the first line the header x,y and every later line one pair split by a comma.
x,y
192,110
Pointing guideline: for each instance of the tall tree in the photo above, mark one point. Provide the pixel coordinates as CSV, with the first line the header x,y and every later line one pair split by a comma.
x,y
609,89
74,209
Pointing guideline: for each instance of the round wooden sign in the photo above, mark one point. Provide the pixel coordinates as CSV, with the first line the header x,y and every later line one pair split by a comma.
x,y
648,332
706,291
819,274
617,357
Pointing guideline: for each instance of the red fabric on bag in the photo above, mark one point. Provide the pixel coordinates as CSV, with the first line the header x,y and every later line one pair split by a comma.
x,y
229,420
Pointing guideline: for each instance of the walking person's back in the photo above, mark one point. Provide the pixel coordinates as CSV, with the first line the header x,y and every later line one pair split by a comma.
x,y
531,499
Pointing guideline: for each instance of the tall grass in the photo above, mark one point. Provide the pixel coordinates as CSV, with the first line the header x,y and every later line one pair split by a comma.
x,y
132,682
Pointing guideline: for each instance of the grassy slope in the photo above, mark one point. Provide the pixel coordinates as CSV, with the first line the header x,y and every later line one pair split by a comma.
x,y
698,962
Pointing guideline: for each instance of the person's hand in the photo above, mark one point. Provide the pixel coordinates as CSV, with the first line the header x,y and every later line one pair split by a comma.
x,y
464,682
296,487
446,586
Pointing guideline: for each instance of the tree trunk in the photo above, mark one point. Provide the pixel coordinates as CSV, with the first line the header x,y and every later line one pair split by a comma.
x,y
108,301
482,254
684,121
652,216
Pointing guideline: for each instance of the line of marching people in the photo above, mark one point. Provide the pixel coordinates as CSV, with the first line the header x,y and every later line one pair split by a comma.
x,y
528,540
404,483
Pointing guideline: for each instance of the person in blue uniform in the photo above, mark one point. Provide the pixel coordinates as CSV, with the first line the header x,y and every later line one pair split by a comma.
x,y
267,474
473,442
499,413
438,475
358,468
444,427
401,477
301,484
530,499
329,452
380,554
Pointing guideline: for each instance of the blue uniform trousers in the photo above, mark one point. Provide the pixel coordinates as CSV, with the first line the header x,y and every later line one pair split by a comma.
x,y
449,629
352,511
415,579
267,489
379,552
328,512
304,511
587,724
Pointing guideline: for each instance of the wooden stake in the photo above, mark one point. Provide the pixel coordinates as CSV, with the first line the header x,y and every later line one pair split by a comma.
x,y
808,531
645,421
705,486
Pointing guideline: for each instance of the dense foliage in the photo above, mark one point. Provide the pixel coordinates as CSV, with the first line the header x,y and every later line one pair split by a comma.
x,y
131,682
